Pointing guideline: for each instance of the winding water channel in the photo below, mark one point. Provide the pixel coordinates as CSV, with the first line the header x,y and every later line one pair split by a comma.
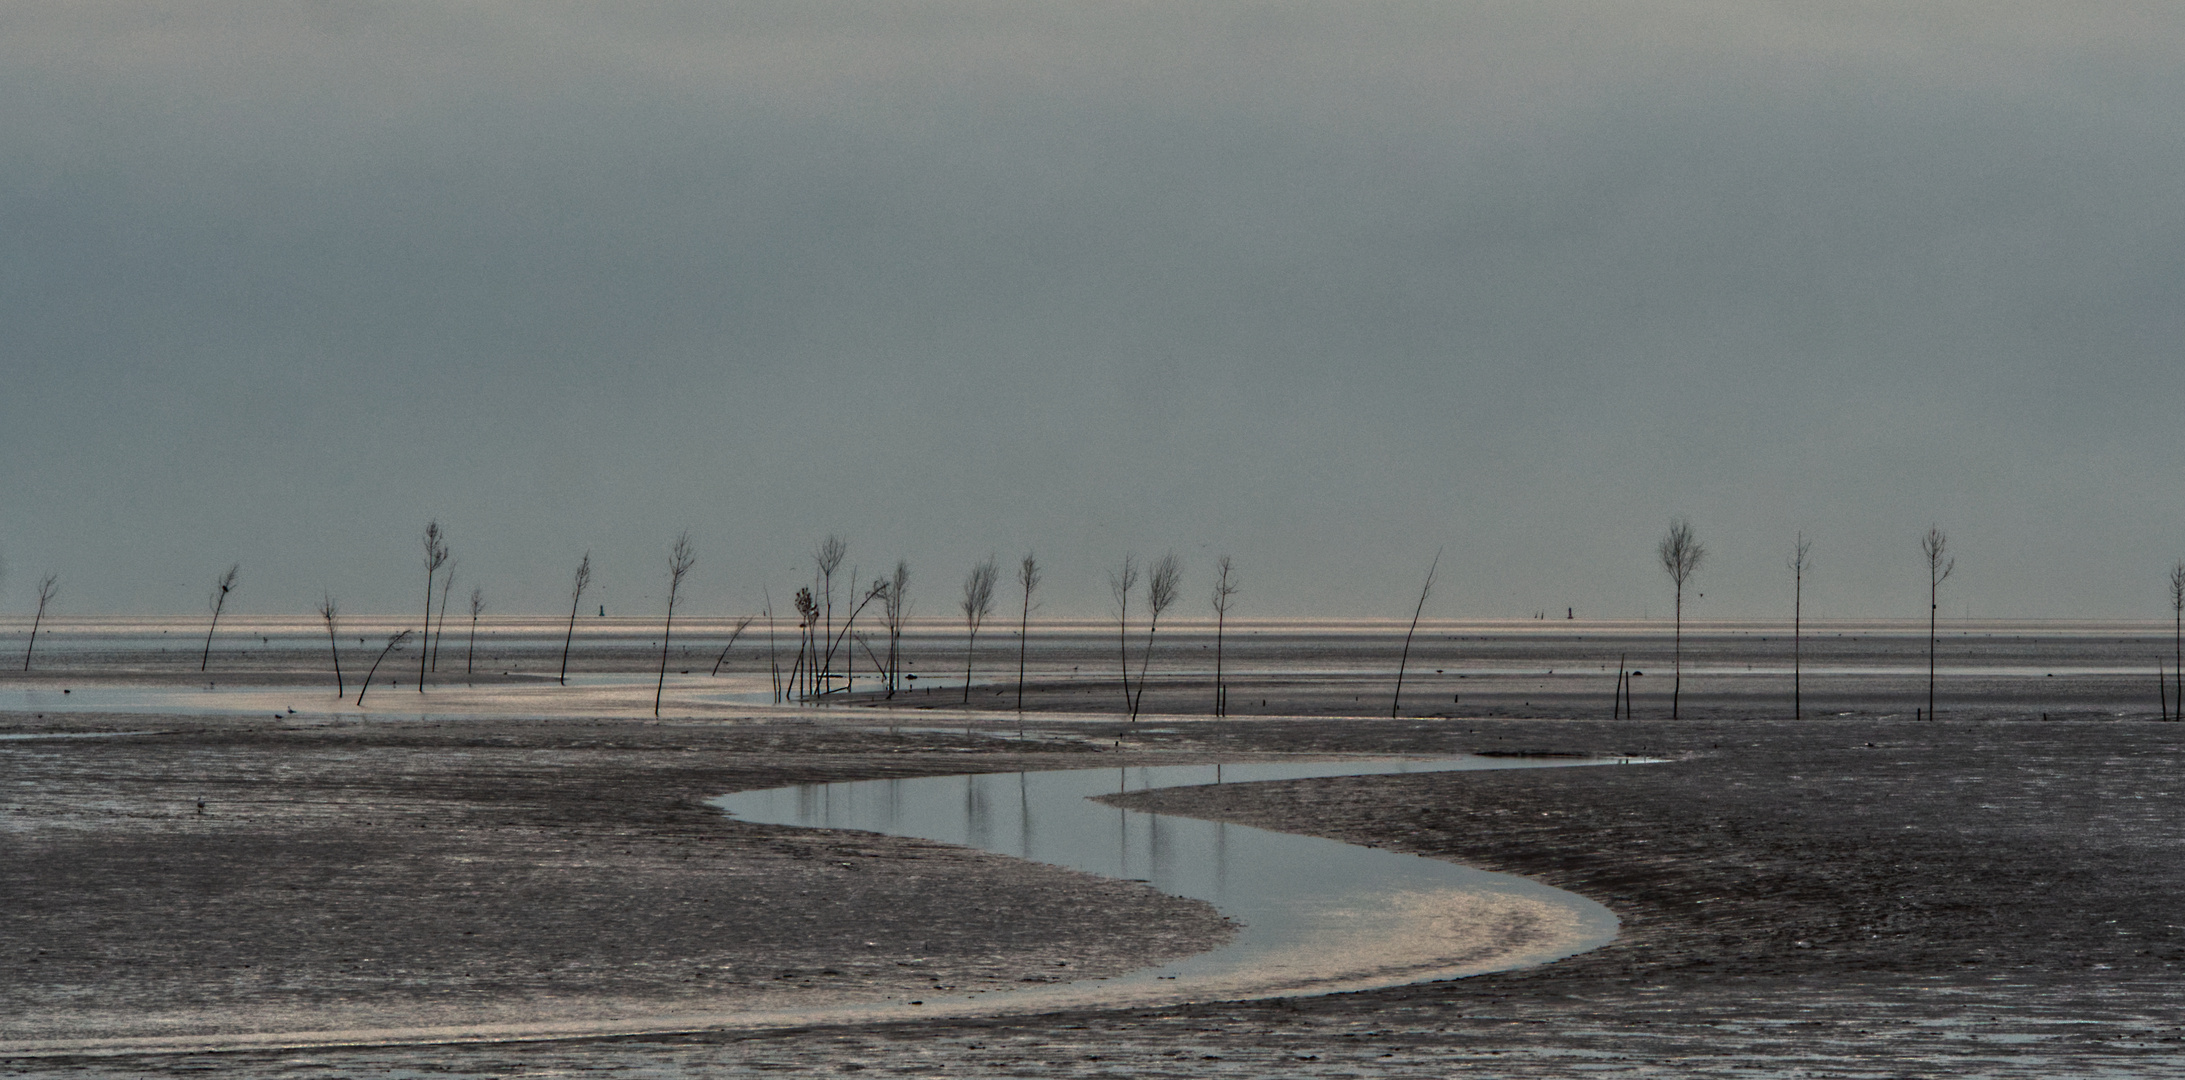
x,y
1315,915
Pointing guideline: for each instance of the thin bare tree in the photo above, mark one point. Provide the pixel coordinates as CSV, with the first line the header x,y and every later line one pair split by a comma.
x,y
1225,595
477,608
577,585
741,624
1681,553
440,632
49,586
978,603
773,664
893,611
394,641
1936,547
828,557
436,556
1799,564
1163,580
1027,580
807,618
2177,609
681,558
329,611
219,602
1395,707
1121,582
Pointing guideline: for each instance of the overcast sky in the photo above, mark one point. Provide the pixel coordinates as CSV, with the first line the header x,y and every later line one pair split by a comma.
x,y
1324,286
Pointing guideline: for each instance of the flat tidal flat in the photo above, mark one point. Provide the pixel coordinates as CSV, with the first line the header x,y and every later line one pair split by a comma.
x,y
1854,894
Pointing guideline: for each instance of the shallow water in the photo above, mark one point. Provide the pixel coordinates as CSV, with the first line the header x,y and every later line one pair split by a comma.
x,y
1315,915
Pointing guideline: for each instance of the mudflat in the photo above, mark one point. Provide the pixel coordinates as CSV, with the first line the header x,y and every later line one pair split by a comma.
x,y
1854,895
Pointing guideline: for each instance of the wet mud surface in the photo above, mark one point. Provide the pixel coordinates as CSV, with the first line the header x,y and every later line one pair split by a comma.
x,y
1990,894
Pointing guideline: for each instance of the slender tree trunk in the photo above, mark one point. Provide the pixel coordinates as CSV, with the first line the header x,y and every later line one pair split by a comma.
x,y
1122,652
970,645
206,659
422,640
1396,705
1221,704
1024,640
470,657
33,642
1676,683
1797,639
1932,608
340,689
2179,667
568,638
661,687
1143,666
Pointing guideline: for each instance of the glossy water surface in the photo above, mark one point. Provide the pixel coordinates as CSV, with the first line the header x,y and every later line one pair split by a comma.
x,y
1313,914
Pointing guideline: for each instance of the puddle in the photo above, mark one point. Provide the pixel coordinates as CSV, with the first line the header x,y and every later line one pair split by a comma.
x,y
1315,915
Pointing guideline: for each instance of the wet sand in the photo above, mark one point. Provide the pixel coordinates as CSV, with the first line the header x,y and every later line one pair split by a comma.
x,y
1859,895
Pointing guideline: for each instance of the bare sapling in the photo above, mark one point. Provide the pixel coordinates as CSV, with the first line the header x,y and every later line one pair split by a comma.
x,y
828,557
878,590
1681,553
1027,580
1121,583
330,612
773,664
741,625
394,641
49,586
1225,595
1162,584
1396,706
477,608
1936,547
436,556
1799,564
577,585
893,609
219,602
681,558
807,616
978,603
440,629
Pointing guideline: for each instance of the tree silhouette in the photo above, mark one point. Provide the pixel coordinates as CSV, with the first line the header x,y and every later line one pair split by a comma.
x,y
477,608
1799,564
2177,609
330,612
1162,583
1936,546
1396,706
436,555
1027,580
1225,593
394,641
680,559
577,584
1681,553
219,602
49,586
978,603
1121,582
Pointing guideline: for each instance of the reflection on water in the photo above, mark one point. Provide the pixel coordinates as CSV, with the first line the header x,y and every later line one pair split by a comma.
x,y
1314,913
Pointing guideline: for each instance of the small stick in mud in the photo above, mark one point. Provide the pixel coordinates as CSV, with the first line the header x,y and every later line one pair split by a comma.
x,y
732,636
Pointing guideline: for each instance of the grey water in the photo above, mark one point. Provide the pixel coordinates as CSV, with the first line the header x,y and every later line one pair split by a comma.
x,y
1313,913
